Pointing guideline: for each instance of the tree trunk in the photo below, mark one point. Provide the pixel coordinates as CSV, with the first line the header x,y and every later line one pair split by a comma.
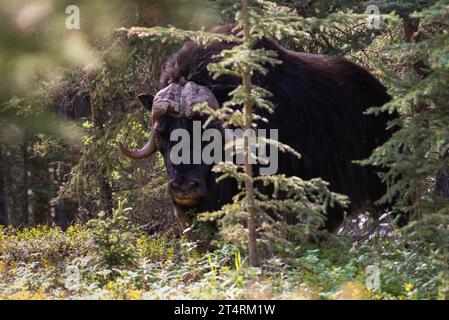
x,y
106,195
249,186
412,34
63,208
442,185
98,120
23,193
3,205
12,197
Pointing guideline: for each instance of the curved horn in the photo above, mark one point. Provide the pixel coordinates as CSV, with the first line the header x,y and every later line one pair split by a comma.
x,y
148,150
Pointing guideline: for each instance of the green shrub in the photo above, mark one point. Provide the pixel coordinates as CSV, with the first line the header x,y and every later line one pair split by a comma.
x,y
114,239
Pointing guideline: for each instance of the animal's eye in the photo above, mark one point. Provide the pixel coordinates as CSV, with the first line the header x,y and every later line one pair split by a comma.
x,y
161,128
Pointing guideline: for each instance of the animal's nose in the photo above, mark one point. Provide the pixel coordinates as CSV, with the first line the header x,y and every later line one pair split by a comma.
x,y
193,184
184,185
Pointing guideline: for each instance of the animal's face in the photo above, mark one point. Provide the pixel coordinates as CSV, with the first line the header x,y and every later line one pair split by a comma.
x,y
177,135
187,181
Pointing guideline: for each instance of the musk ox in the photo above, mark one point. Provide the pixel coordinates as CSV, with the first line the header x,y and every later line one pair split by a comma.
x,y
320,103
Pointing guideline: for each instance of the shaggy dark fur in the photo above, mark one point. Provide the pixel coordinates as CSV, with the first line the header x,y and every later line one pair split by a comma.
x,y
320,101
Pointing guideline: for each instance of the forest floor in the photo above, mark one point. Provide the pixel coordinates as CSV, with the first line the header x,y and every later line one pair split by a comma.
x,y
109,259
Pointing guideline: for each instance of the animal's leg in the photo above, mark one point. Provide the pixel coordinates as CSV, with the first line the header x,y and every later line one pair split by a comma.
x,y
186,223
335,217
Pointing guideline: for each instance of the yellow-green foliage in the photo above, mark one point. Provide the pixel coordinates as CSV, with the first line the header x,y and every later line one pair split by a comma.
x,y
47,263
45,245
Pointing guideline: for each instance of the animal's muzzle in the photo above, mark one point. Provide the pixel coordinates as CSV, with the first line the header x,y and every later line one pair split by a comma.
x,y
186,192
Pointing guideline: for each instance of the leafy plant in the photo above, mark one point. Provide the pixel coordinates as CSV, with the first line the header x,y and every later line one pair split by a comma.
x,y
114,239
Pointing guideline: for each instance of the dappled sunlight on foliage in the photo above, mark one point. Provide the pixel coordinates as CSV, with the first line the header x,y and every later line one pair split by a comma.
x,y
46,263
